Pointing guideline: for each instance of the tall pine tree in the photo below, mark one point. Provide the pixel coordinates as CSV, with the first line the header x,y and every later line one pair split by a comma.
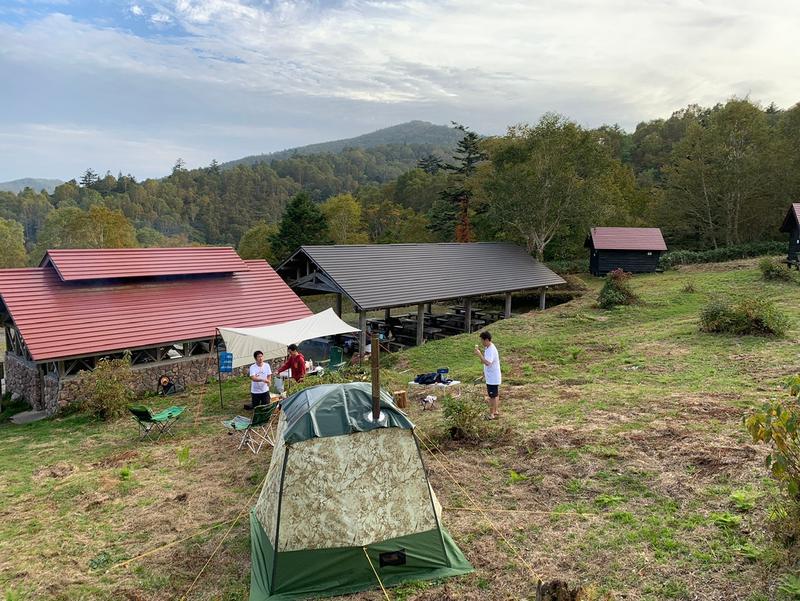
x,y
302,223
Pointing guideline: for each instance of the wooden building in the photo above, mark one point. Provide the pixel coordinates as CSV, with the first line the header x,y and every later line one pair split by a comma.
x,y
791,226
632,249
163,305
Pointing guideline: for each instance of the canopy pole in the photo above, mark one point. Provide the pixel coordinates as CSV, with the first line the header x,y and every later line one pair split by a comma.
x,y
420,323
362,335
219,366
376,377
507,313
542,295
468,315
339,304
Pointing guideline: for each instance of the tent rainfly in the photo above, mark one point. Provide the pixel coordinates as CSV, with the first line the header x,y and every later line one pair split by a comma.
x,y
273,340
343,492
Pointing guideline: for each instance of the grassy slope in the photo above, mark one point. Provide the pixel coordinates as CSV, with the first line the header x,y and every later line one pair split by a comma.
x,y
623,429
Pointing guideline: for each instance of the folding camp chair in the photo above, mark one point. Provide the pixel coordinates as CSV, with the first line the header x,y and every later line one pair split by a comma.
x,y
256,431
335,361
155,423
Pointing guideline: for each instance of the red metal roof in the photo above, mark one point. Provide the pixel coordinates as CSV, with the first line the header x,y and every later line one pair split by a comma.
x,y
59,320
792,218
628,238
77,264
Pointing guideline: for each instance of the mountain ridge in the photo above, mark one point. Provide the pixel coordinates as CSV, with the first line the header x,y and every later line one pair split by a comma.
x,y
35,183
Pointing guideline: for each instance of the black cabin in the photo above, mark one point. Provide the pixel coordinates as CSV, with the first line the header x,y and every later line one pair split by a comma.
x,y
632,249
791,226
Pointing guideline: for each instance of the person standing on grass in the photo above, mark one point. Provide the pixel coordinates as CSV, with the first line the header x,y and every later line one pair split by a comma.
x,y
260,376
491,373
296,362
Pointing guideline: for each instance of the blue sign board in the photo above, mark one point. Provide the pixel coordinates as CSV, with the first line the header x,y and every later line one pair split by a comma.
x,y
226,362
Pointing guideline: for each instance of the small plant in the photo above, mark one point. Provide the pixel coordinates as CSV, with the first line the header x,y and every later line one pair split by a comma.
x,y
747,550
616,290
689,287
726,521
108,388
575,352
790,587
744,500
184,459
751,316
100,561
608,500
126,473
777,424
515,477
771,270
463,416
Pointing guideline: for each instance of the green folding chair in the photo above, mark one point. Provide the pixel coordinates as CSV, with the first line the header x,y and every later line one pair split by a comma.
x,y
255,431
335,360
157,424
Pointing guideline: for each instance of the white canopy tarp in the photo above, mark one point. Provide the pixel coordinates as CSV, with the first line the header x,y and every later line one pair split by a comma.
x,y
273,340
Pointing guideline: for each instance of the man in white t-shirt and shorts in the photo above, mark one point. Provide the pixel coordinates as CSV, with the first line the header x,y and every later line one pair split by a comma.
x,y
260,376
491,373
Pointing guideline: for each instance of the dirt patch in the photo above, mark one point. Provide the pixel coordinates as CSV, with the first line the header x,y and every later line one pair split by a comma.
x,y
58,471
118,459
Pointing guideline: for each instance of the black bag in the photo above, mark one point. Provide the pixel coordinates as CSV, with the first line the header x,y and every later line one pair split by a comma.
x,y
430,378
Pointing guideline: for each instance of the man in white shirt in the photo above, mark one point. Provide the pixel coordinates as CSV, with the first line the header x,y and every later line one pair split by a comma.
x,y
260,376
491,373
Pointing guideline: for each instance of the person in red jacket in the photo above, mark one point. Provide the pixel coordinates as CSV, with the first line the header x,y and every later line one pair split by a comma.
x,y
296,362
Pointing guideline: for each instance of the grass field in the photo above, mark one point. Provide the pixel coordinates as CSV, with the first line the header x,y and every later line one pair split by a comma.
x,y
620,464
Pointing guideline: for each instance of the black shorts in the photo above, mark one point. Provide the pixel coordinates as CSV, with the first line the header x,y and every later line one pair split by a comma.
x,y
493,390
259,398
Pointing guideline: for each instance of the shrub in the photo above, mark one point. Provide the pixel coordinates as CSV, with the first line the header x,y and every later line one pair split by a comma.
x,y
772,270
463,416
108,388
616,290
752,316
725,253
777,423
689,288
566,266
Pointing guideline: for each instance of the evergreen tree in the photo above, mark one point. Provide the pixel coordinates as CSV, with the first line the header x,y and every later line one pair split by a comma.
x,y
12,244
88,178
302,223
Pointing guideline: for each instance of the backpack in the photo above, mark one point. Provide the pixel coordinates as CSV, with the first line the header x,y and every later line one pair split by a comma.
x,y
430,378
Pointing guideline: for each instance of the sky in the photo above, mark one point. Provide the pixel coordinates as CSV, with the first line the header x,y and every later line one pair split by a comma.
x,y
133,86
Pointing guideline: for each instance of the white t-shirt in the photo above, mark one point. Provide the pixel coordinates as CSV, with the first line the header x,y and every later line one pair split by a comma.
x,y
261,372
491,373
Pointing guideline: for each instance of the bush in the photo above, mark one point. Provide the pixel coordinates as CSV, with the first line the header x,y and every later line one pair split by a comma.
x,y
777,423
463,416
752,316
772,270
616,290
565,266
108,388
726,253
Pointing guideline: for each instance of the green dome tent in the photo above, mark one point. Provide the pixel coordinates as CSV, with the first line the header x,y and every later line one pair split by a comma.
x,y
340,484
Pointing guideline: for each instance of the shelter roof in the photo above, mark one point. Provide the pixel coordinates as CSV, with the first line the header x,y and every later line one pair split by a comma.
x,y
792,218
337,410
79,264
377,276
626,238
59,319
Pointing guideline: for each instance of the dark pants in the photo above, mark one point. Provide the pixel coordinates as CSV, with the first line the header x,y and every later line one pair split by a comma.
x,y
492,390
259,398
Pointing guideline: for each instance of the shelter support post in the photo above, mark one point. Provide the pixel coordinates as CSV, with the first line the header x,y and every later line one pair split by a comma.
x,y
542,295
468,314
362,335
219,367
339,304
507,312
429,307
387,314
420,323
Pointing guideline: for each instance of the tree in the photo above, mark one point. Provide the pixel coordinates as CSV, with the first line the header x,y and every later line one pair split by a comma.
x,y
255,242
459,192
88,178
343,214
12,244
302,223
71,227
430,164
544,179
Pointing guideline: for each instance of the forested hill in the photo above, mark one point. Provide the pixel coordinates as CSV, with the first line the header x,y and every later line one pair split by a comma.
x,y
423,137
18,185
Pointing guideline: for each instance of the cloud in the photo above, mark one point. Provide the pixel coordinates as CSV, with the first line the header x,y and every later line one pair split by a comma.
x,y
287,72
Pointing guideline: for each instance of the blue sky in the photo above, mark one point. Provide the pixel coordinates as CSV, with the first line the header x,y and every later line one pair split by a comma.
x,y
132,86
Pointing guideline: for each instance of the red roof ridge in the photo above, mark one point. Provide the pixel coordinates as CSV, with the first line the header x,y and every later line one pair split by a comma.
x,y
627,238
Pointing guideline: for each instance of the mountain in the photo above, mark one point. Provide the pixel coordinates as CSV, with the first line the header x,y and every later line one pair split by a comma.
x,y
416,133
37,184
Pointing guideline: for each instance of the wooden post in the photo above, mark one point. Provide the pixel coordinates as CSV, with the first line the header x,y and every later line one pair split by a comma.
x,y
387,314
401,399
508,305
420,324
468,315
339,304
376,378
362,335
542,294
429,307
